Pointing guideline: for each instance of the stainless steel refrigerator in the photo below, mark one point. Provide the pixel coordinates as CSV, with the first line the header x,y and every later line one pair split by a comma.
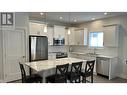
x,y
38,48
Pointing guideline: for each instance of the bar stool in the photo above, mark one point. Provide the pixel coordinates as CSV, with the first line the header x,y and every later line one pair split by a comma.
x,y
34,78
60,75
88,71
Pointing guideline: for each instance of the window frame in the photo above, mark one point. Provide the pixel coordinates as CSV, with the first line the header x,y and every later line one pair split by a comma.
x,y
89,40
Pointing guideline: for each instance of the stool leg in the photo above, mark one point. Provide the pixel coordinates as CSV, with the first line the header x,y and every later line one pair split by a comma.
x,y
92,78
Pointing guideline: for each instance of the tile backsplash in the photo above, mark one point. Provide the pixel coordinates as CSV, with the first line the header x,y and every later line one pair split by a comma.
x,y
113,51
58,48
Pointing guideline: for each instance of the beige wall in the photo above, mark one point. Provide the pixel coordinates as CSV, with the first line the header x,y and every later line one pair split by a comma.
x,y
1,56
97,25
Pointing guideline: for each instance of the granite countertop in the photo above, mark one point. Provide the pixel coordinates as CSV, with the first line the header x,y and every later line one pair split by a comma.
x,y
96,55
48,64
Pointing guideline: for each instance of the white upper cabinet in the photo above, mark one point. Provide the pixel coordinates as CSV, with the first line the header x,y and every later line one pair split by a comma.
x,y
71,36
36,28
50,35
59,31
111,36
81,36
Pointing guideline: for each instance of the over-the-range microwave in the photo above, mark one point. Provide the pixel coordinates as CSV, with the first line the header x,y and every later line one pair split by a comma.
x,y
58,41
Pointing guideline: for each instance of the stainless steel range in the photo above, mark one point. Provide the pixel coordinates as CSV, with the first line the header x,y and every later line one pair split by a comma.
x,y
61,55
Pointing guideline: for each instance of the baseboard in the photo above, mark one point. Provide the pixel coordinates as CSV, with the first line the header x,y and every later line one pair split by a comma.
x,y
123,76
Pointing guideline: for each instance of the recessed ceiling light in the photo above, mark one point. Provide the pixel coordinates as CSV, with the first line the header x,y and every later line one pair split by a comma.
x,y
75,20
93,18
105,13
41,13
60,17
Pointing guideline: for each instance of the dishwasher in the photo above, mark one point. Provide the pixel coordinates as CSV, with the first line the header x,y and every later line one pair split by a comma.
x,y
102,66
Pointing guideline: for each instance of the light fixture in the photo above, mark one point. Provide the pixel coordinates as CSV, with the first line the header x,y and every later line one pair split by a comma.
x,y
45,26
93,18
69,31
41,13
105,13
60,17
75,20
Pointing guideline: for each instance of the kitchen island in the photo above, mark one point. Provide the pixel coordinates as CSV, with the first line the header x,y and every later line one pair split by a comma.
x,y
46,67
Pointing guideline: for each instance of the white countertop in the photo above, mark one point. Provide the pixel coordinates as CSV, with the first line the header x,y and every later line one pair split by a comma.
x,y
98,55
48,64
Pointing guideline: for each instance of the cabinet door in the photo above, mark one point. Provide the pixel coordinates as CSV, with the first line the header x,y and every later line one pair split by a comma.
x,y
110,36
81,36
105,63
50,35
99,66
59,31
66,37
35,28
77,37
71,37
103,66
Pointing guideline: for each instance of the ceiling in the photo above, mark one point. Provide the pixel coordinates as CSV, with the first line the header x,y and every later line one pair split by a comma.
x,y
69,17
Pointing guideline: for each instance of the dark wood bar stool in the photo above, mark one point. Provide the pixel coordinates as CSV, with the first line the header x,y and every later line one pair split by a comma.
x,y
88,71
34,78
60,75
75,73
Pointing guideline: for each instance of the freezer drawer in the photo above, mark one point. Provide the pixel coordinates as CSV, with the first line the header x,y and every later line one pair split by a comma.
x,y
103,66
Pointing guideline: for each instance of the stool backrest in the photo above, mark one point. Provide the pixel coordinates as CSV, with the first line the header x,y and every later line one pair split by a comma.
x,y
23,73
76,67
89,66
62,69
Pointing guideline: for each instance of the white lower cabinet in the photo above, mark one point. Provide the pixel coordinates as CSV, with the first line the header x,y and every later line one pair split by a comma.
x,y
107,67
103,66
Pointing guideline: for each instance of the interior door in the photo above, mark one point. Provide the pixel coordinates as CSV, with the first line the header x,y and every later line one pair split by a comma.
x,y
14,50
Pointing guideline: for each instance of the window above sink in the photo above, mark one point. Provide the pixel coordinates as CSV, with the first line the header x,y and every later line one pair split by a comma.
x,y
96,39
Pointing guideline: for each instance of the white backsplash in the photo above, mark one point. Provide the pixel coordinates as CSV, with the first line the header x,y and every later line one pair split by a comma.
x,y
113,51
58,48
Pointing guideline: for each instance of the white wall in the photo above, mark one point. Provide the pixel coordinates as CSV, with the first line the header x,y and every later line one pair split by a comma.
x,y
97,25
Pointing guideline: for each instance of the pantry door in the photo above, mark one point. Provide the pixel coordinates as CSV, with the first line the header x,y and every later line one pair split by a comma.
x,y
14,51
